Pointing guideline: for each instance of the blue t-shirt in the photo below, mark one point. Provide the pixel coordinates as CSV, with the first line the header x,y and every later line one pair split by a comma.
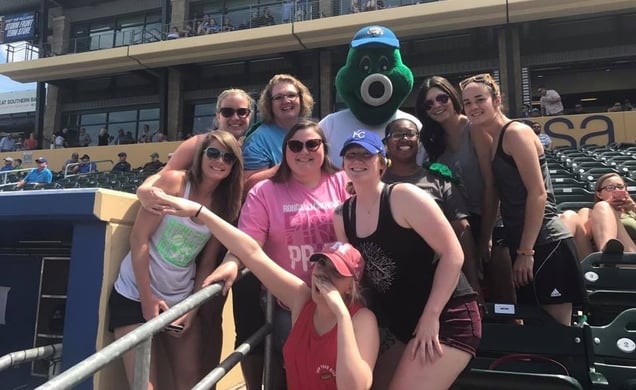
x,y
35,176
87,168
264,148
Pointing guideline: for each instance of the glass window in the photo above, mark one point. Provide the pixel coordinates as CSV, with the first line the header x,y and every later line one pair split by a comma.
x,y
130,20
122,116
150,113
89,119
204,109
102,40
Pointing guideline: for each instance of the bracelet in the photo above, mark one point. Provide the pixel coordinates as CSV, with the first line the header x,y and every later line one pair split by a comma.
x,y
198,211
525,252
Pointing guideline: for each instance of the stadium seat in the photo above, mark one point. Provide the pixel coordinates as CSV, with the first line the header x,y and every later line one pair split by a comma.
x,y
614,351
610,280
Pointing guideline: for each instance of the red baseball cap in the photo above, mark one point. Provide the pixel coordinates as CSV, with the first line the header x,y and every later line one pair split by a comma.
x,y
347,259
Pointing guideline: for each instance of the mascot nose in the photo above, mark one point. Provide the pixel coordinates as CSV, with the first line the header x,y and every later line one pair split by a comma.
x,y
376,89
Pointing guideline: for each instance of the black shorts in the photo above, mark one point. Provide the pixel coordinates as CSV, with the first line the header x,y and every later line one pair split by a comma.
x,y
248,314
123,311
557,276
459,326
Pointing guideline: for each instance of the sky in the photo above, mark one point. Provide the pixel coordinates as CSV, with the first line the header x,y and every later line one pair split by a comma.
x,y
6,84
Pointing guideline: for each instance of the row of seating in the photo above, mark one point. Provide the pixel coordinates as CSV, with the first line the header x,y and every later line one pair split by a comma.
x,y
598,352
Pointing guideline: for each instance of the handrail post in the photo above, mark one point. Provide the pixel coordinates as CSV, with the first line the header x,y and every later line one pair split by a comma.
x,y
269,340
142,364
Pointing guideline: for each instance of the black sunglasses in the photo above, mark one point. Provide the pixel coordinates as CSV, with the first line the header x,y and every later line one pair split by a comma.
x,y
297,146
214,154
442,98
228,112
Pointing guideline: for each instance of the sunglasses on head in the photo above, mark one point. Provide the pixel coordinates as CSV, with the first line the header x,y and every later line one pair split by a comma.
x,y
442,98
484,78
297,146
214,154
228,112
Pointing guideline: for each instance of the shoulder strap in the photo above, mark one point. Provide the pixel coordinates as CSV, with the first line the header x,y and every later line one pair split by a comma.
x,y
349,218
501,135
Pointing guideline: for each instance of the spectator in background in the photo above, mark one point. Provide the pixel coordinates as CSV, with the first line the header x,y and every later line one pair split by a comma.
x,y
578,109
30,143
627,105
545,139
268,19
355,6
86,166
103,137
128,139
17,163
159,136
525,111
120,136
174,33
534,113
73,160
122,165
41,174
145,135
8,164
617,107
7,144
83,139
60,141
227,24
550,101
154,164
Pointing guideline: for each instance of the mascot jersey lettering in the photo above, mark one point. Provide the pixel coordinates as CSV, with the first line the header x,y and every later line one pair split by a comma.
x,y
293,221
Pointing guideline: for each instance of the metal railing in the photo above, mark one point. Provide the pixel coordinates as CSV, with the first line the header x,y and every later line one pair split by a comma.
x,y
52,352
92,164
141,339
5,175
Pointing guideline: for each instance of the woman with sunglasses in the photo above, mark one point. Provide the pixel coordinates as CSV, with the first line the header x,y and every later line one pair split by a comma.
x,y
611,223
161,268
290,216
334,340
447,138
545,267
283,102
426,309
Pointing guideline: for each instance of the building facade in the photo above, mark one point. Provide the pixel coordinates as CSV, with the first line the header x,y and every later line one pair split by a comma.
x,y
122,64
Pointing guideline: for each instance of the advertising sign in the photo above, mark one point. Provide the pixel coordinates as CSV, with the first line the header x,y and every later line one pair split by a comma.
x,y
17,27
17,101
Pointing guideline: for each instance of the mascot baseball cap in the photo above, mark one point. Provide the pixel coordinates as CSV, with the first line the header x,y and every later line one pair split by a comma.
x,y
367,139
347,260
378,35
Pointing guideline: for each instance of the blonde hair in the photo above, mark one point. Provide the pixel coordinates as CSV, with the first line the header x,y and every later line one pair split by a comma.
x,y
234,91
265,100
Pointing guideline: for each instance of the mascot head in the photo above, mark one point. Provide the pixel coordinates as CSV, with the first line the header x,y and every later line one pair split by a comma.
x,y
374,82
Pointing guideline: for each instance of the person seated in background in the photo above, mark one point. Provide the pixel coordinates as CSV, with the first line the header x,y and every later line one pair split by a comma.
x,y
86,166
174,33
8,164
154,164
17,163
545,139
73,160
611,223
40,175
617,107
122,165
30,143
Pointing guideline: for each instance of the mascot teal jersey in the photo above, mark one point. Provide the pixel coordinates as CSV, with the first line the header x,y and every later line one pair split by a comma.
x,y
373,83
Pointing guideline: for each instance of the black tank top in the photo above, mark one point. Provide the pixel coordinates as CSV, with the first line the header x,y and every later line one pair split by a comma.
x,y
512,193
399,269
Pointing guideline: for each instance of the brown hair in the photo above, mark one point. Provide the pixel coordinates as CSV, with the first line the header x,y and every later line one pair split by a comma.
x,y
599,184
265,100
226,201
283,173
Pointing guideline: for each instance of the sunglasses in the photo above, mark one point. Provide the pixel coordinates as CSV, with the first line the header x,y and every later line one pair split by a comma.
x,y
442,98
297,146
613,187
484,78
282,96
228,112
398,135
214,154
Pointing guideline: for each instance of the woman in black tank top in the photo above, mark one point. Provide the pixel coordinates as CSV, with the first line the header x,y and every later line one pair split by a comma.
x,y
413,261
550,277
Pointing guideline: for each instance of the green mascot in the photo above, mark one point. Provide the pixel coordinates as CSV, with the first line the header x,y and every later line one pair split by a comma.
x,y
373,83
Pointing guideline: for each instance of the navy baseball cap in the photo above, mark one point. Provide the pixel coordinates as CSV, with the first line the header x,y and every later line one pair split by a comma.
x,y
367,139
378,35
41,160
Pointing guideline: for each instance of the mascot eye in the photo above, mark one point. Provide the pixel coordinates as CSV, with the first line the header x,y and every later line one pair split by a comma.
x,y
365,64
383,63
